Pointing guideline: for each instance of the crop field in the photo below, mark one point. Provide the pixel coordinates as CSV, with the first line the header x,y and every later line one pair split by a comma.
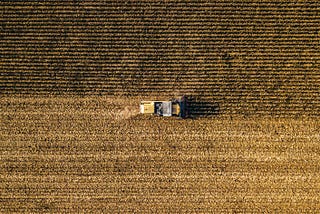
x,y
62,154
72,74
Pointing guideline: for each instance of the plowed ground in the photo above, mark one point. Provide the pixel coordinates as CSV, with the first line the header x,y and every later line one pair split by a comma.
x,y
76,154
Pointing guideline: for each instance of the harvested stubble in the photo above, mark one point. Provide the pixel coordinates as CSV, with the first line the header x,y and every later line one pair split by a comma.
x,y
71,155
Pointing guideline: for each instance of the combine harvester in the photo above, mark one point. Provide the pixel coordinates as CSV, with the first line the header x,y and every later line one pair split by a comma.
x,y
175,107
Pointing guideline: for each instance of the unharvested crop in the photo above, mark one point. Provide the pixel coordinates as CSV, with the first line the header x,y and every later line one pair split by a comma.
x,y
252,57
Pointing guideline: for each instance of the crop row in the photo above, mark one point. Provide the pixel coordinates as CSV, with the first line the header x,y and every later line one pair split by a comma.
x,y
243,55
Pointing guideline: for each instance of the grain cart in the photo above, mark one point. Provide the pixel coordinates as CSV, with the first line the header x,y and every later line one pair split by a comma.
x,y
174,107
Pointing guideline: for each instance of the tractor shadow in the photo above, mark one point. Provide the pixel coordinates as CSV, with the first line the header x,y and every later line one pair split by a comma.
x,y
201,108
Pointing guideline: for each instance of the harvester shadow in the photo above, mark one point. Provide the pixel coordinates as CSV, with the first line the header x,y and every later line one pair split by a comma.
x,y
201,108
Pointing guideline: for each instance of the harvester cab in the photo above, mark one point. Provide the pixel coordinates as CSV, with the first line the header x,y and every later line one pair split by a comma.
x,y
174,107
